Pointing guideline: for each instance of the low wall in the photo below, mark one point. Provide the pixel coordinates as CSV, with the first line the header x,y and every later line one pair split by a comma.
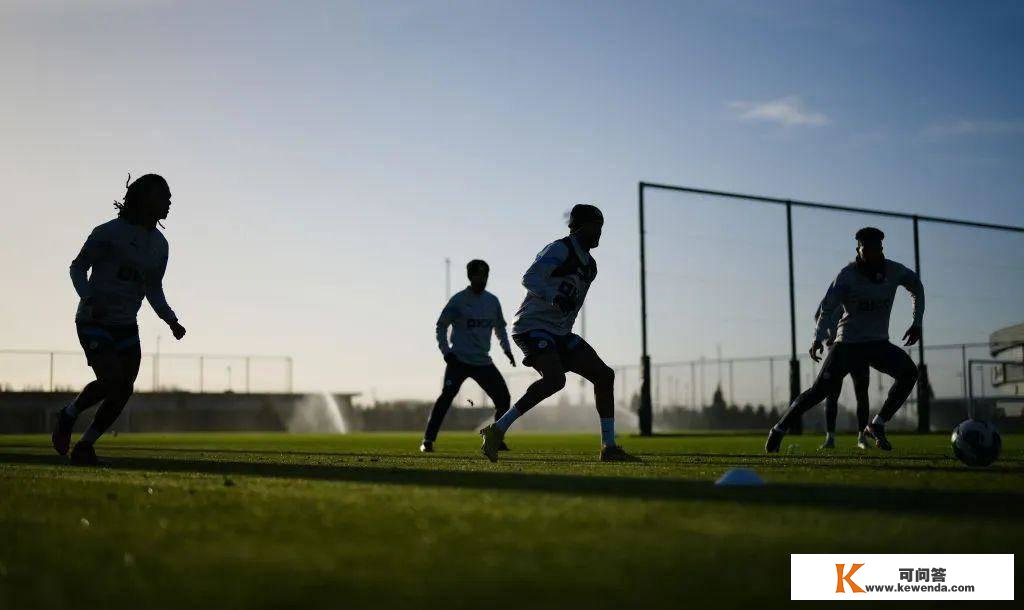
x,y
34,412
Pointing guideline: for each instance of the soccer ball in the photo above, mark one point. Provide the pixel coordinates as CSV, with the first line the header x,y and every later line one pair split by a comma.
x,y
976,443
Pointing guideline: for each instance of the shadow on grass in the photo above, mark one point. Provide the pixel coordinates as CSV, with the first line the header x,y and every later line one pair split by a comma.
x,y
882,499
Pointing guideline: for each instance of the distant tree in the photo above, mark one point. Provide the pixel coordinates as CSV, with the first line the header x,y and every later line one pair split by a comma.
x,y
718,400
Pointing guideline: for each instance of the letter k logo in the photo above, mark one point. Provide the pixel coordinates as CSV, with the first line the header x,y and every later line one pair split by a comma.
x,y
840,578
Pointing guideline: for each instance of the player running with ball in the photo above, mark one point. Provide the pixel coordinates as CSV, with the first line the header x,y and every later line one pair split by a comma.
x,y
128,257
556,285
473,315
865,290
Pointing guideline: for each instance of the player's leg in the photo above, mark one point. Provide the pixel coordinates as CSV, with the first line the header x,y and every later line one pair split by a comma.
x,y
552,380
833,369
894,362
493,384
831,413
861,377
95,342
454,375
117,372
549,364
541,352
582,359
92,393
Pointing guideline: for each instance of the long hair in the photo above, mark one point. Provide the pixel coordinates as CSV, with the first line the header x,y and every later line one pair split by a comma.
x,y
132,208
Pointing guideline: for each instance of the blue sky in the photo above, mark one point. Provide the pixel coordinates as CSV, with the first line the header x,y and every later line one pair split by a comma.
x,y
326,157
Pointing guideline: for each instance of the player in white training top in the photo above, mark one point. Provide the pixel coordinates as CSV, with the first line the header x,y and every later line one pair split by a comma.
x,y
122,262
556,284
865,290
473,315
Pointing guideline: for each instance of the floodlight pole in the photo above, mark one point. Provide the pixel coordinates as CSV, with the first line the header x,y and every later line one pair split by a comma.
x,y
645,414
924,399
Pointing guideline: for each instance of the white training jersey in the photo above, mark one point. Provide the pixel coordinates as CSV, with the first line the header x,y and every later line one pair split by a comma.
x,y
472,317
866,298
562,267
128,263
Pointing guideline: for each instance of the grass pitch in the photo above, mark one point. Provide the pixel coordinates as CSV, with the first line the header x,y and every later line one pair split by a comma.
x,y
246,520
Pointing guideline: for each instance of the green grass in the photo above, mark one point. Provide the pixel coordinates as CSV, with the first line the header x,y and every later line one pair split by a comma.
x,y
236,521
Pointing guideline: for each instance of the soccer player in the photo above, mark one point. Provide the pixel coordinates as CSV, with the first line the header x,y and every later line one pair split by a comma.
x,y
128,257
556,285
865,290
861,379
473,315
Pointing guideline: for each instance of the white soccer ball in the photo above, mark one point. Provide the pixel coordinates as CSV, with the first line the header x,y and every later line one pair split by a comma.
x,y
976,443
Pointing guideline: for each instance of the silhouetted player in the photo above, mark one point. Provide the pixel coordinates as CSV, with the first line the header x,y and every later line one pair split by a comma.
x,y
473,315
128,257
556,285
865,290
861,379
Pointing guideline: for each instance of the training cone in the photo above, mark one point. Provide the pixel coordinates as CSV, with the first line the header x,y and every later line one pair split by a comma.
x,y
740,476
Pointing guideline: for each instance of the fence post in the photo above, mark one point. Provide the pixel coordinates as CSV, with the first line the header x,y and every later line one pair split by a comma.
x,y
290,365
693,384
732,389
702,382
970,391
797,426
924,388
963,365
51,371
646,414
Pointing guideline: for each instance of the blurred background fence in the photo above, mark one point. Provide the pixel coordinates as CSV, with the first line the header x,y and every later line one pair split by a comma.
x,y
58,370
752,385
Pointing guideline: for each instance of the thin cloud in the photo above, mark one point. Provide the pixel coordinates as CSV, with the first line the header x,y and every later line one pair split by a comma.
x,y
976,127
788,111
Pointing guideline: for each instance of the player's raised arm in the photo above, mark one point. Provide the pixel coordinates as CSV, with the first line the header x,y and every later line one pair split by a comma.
x,y
158,301
831,323
155,294
912,282
443,322
829,304
501,331
95,245
536,278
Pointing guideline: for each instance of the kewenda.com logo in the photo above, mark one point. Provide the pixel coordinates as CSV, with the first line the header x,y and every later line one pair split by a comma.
x,y
938,575
931,576
842,580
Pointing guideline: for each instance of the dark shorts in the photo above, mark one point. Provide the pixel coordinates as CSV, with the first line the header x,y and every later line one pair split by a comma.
x,y
855,358
535,342
98,339
487,376
859,372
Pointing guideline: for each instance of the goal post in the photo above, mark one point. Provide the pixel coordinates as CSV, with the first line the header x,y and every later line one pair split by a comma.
x,y
646,415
